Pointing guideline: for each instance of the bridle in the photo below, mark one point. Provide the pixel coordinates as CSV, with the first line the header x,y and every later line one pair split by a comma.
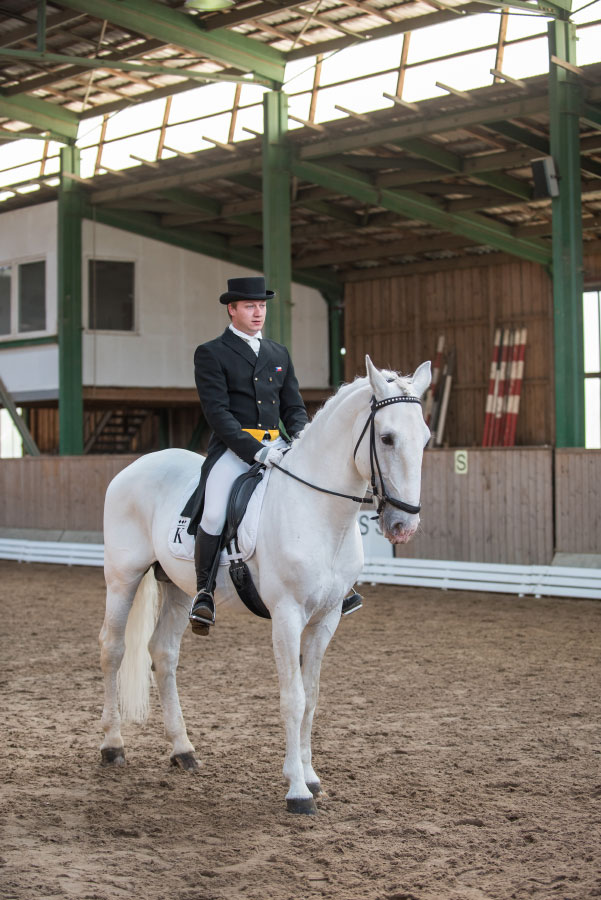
x,y
381,495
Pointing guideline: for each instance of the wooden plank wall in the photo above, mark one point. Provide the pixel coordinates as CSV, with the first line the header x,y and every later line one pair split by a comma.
x,y
578,501
397,320
500,511
51,492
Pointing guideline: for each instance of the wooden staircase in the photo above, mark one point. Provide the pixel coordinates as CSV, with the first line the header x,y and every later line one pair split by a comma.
x,y
119,431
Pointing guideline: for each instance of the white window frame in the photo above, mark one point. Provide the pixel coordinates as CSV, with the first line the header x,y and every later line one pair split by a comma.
x,y
593,375
106,257
13,264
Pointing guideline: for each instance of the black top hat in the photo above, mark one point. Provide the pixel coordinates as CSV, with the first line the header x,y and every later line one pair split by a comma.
x,y
246,289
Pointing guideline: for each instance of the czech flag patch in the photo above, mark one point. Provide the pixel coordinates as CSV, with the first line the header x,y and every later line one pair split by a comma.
x,y
278,368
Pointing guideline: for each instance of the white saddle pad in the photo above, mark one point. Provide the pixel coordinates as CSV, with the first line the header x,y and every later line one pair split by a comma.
x,y
181,544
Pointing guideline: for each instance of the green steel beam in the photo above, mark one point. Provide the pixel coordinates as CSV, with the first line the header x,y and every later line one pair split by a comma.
x,y
174,27
99,62
454,163
69,252
277,249
471,225
39,114
208,208
591,115
213,245
29,445
565,102
529,139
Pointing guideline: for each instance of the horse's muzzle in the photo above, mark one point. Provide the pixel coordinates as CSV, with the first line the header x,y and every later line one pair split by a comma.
x,y
397,527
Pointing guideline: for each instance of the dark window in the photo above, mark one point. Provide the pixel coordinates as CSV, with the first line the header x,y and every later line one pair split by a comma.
x,y
32,296
110,295
4,299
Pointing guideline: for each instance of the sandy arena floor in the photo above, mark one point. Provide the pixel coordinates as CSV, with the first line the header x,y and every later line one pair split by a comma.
x,y
458,738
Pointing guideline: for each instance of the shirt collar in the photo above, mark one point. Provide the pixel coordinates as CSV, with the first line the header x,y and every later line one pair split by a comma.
x,y
246,337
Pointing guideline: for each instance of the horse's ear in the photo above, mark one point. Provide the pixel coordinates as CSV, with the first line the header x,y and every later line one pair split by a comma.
x,y
422,378
378,383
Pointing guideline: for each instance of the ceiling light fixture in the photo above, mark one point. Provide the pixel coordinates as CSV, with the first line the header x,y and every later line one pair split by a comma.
x,y
208,5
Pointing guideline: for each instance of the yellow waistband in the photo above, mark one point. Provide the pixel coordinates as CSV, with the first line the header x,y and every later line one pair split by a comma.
x,y
260,434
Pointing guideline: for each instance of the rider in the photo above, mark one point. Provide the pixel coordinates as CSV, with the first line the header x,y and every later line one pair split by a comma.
x,y
246,384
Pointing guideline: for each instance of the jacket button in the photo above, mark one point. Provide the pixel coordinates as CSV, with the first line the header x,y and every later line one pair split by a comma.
x,y
259,425
273,401
258,401
256,379
271,379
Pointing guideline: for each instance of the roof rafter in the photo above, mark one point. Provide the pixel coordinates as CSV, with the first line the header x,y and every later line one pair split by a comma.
x,y
171,26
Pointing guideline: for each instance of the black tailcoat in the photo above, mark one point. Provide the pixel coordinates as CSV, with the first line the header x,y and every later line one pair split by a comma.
x,y
238,389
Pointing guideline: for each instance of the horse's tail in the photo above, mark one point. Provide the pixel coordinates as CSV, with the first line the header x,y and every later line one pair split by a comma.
x,y
134,676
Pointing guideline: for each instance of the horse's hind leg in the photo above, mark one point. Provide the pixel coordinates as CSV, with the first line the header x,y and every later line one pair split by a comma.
x,y
315,640
119,599
164,650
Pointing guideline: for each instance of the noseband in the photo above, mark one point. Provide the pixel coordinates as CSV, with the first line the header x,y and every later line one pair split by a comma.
x,y
383,497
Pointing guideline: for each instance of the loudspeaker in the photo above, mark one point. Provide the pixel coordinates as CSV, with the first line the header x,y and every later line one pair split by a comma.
x,y
546,180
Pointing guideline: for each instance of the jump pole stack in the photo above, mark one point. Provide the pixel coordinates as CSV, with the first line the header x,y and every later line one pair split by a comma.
x,y
515,387
504,388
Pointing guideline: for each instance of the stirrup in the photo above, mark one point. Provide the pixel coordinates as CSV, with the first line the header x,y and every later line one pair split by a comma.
x,y
203,611
351,603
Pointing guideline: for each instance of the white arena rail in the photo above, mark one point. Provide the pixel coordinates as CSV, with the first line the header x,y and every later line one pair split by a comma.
x,y
52,552
537,581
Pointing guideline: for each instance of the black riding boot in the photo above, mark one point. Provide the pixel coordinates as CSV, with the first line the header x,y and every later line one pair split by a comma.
x,y
206,546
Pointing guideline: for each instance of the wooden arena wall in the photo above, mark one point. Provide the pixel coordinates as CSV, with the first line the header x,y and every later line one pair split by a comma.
x,y
397,319
513,505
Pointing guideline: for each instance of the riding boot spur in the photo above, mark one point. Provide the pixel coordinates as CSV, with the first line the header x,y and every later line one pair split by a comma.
x,y
202,615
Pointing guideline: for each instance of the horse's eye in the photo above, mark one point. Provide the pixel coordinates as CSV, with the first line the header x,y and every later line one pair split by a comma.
x,y
387,439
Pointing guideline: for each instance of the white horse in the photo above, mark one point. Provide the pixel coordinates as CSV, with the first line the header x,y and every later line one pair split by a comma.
x,y
308,555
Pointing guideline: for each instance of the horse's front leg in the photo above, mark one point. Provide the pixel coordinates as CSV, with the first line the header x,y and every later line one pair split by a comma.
x,y
286,633
315,640
164,650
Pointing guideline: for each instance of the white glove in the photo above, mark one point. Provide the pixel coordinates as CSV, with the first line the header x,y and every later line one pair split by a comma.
x,y
269,456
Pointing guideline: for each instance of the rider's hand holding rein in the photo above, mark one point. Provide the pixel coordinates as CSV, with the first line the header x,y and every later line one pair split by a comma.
x,y
269,456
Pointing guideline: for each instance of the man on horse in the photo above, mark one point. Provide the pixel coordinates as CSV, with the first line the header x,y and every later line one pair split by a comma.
x,y
246,385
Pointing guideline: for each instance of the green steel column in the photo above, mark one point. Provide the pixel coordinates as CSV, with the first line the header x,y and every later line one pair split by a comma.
x,y
277,263
70,392
334,301
565,100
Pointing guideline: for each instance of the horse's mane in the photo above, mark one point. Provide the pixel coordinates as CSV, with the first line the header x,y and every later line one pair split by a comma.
x,y
402,382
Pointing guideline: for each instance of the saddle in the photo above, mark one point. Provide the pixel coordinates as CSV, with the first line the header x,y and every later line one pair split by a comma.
x,y
242,490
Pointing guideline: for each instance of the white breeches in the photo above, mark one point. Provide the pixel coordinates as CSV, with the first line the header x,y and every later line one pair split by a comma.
x,y
219,484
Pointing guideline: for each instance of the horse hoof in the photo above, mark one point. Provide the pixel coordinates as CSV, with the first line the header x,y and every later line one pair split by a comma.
x,y
113,756
315,788
185,761
304,806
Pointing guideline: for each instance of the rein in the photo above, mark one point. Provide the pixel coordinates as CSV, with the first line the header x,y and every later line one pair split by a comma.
x,y
384,497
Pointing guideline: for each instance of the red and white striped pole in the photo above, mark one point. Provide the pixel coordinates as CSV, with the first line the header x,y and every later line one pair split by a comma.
x,y
490,399
502,384
516,390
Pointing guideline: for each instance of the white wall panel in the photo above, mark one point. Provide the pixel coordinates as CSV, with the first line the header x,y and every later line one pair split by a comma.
x,y
30,372
177,307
